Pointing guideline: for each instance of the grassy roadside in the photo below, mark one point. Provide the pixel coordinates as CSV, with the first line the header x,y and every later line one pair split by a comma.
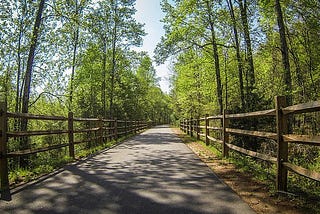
x,y
252,181
19,177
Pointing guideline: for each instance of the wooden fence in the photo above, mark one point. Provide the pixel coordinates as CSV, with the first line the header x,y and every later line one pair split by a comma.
x,y
282,137
104,129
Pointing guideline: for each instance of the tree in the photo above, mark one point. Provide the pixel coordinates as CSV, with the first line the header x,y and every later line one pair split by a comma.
x,y
237,47
244,18
119,31
32,50
27,78
215,53
187,27
284,53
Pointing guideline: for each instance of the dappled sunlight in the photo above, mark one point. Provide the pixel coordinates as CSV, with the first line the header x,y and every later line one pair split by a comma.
x,y
151,173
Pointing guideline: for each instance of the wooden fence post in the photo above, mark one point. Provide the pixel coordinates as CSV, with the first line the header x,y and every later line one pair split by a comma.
x,y
125,127
225,124
282,154
198,128
115,129
187,127
70,135
184,126
5,190
191,127
130,127
207,129
100,131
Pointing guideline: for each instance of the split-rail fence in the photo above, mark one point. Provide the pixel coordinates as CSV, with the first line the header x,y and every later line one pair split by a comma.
x,y
200,127
103,129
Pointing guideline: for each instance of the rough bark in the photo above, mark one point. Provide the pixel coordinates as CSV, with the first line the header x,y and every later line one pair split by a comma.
x,y
33,45
28,75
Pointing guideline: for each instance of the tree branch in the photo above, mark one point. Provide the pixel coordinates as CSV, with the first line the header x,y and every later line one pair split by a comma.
x,y
42,93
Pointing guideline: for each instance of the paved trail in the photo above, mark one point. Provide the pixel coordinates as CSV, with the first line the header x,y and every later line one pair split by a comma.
x,y
151,173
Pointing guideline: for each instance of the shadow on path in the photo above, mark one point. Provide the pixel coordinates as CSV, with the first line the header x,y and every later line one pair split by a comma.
x,y
151,173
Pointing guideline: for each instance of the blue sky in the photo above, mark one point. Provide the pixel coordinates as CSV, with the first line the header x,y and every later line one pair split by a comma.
x,y
149,12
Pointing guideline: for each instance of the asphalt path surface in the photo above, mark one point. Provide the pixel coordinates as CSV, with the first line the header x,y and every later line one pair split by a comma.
x,y
151,173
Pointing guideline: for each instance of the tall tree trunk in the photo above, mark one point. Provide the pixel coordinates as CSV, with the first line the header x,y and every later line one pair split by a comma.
x,y
250,72
285,53
215,55
307,45
285,60
17,107
103,87
239,59
300,78
226,78
113,66
18,97
28,75
74,56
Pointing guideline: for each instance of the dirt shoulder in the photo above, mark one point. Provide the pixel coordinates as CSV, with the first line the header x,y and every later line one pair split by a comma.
x,y
253,192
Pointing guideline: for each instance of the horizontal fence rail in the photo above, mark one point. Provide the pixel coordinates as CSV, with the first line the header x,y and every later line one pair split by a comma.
x,y
103,129
281,136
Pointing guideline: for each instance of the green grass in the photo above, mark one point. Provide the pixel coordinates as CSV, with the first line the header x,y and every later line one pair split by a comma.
x,y
305,191
212,148
46,164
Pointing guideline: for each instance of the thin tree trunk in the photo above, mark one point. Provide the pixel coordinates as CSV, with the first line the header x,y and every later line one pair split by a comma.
x,y
17,107
217,68
299,74
285,53
18,98
74,56
76,38
226,78
104,71
113,68
215,56
307,47
28,75
244,19
239,59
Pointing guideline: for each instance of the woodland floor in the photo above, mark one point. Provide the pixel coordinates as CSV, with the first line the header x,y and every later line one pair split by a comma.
x,y
253,192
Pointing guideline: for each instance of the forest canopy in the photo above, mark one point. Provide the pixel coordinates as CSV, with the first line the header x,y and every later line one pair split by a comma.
x,y
238,54
59,56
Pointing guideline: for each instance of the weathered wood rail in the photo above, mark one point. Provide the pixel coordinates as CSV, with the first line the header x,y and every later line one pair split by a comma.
x,y
104,130
282,137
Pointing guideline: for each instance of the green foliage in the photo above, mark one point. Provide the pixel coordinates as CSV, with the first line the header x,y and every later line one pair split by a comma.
x,y
136,91
187,38
214,148
195,91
